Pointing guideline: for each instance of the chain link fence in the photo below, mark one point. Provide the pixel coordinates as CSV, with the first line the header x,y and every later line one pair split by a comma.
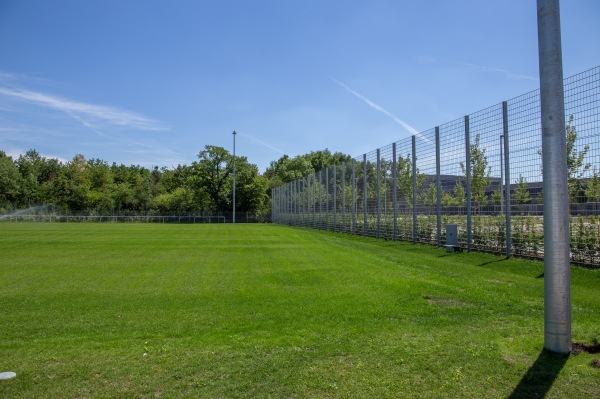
x,y
482,173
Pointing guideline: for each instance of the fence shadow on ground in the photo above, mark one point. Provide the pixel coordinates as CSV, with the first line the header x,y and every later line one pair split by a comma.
x,y
493,261
541,375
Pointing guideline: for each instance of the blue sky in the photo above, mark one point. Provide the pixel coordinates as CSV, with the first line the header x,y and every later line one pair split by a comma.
x,y
152,82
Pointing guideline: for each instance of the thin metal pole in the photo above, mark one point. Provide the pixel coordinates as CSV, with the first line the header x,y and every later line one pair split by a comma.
x,y
507,172
502,173
327,199
468,190
438,187
334,198
314,217
353,195
395,196
343,196
321,199
414,187
365,194
557,278
234,134
378,194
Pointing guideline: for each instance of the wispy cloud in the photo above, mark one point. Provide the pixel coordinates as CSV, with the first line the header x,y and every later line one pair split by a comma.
x,y
501,71
379,108
85,113
261,142
426,60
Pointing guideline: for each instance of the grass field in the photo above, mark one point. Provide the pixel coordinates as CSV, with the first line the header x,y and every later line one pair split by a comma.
x,y
266,311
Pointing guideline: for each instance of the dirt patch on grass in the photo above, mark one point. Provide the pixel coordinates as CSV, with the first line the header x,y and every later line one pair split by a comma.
x,y
595,363
579,347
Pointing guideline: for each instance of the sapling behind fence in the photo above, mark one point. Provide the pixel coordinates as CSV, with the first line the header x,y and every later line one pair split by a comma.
x,y
482,172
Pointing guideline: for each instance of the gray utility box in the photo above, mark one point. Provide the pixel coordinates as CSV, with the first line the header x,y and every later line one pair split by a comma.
x,y
451,237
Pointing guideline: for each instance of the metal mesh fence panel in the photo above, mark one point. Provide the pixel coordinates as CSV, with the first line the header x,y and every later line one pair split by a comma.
x,y
482,173
426,193
582,108
525,184
486,128
452,146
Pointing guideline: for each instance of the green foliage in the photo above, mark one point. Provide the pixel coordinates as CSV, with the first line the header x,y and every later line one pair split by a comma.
x,y
521,195
10,179
404,175
592,189
576,164
480,174
94,186
497,197
458,198
286,169
429,196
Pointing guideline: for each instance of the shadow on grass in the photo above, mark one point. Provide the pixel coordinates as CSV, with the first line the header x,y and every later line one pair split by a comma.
x,y
493,261
541,375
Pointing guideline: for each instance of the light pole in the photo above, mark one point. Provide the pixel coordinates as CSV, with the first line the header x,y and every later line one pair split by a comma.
x,y
557,279
234,133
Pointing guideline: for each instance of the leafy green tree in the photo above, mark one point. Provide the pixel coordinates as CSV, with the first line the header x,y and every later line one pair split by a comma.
x,y
212,174
592,189
521,194
179,200
456,199
429,196
251,187
404,178
286,169
10,180
73,185
576,165
497,197
480,173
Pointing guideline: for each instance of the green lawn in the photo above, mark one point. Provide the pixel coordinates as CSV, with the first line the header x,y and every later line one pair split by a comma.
x,y
266,311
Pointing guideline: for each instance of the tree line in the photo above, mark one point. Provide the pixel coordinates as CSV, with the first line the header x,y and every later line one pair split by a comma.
x,y
93,185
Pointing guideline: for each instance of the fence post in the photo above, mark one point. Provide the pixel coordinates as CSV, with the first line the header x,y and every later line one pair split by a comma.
x,y
414,188
502,166
293,202
344,197
468,188
353,195
327,198
365,194
394,184
298,202
438,187
314,200
334,198
507,173
320,199
378,194
307,199
301,201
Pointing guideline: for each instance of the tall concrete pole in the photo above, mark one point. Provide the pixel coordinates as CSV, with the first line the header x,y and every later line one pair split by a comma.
x,y
234,133
557,279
